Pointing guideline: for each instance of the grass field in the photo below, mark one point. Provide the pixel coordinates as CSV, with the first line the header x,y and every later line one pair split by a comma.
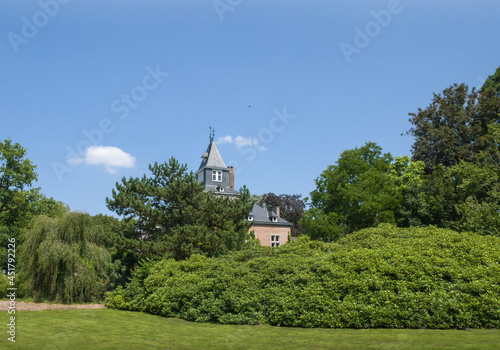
x,y
112,329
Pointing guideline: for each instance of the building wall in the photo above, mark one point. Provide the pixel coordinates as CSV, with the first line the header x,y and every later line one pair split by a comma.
x,y
263,233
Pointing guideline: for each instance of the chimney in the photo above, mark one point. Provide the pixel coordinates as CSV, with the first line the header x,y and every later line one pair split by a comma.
x,y
231,177
276,210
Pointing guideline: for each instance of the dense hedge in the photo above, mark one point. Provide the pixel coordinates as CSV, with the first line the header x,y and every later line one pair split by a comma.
x,y
377,277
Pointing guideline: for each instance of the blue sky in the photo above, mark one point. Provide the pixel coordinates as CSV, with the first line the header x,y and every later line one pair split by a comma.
x,y
287,85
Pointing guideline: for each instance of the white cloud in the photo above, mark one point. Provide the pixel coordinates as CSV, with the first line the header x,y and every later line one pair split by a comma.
x,y
111,157
242,141
224,139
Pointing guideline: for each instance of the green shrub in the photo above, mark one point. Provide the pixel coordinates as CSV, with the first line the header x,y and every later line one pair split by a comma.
x,y
378,277
4,284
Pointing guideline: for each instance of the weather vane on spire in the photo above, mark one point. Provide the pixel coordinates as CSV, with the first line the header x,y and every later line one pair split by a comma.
x,y
212,134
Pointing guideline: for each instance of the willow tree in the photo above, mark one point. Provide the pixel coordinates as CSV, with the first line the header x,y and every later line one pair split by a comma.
x,y
64,260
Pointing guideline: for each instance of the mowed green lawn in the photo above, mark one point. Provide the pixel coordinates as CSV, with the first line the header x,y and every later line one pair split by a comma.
x,y
112,329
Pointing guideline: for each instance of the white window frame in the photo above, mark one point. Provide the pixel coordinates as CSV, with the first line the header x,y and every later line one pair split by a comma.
x,y
275,240
250,217
217,175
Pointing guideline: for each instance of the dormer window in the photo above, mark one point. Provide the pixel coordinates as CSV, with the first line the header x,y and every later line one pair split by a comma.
x,y
250,217
217,175
272,216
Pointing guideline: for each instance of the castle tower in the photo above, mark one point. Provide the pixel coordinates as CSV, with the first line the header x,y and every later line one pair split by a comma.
x,y
213,172
269,228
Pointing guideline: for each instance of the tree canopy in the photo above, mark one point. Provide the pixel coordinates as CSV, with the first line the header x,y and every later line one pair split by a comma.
x,y
16,175
454,127
355,193
19,201
493,82
458,138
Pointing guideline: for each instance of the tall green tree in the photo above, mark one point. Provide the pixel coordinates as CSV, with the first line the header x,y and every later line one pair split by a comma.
x,y
409,178
454,127
19,201
464,197
458,138
443,131
479,187
16,176
440,195
120,239
355,193
323,226
177,217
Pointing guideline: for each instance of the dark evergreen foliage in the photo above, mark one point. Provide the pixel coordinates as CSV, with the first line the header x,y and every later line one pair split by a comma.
x,y
454,127
177,217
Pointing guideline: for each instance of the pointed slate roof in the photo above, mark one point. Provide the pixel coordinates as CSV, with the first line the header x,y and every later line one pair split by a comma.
x,y
212,158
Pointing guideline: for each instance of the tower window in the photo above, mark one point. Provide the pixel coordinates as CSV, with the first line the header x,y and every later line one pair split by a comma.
x,y
217,175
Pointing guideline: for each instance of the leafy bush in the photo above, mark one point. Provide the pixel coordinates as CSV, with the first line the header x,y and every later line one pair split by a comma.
x,y
377,277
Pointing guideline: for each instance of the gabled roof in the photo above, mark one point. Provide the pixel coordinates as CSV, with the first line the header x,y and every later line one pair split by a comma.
x,y
212,158
262,216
